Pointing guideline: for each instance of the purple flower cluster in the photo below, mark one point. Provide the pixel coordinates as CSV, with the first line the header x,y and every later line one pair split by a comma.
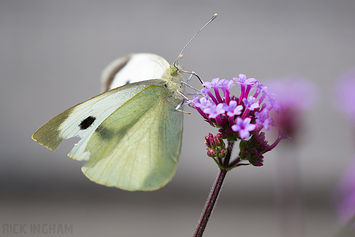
x,y
238,117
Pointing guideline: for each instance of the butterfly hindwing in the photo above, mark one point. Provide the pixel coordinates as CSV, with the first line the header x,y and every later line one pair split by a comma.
x,y
137,149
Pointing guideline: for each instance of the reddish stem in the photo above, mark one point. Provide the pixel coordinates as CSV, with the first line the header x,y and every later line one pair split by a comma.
x,y
211,201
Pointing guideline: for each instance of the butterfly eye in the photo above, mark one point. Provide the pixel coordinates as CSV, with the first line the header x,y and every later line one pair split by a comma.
x,y
174,70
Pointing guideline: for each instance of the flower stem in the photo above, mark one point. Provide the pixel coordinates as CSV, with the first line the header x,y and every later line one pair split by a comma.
x,y
210,203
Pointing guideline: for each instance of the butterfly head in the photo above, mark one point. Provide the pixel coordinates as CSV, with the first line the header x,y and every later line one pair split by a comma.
x,y
174,73
174,70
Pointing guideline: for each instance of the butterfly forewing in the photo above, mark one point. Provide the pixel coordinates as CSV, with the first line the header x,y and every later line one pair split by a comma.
x,y
68,124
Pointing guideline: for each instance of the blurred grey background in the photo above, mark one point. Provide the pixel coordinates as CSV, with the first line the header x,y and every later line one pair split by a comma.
x,y
51,57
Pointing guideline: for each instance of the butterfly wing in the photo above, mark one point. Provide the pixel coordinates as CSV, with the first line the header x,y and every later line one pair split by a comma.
x,y
131,136
138,146
83,119
133,68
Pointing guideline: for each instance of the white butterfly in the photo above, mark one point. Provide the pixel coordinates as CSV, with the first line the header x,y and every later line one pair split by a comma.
x,y
130,135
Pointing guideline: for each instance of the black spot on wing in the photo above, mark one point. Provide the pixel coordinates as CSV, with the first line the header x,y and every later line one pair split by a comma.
x,y
87,122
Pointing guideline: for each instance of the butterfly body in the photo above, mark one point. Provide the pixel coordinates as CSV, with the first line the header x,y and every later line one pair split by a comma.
x,y
130,135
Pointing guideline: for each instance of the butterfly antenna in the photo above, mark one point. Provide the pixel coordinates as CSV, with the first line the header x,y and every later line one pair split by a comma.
x,y
183,49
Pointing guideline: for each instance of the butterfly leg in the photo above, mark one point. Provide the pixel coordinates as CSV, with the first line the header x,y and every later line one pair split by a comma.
x,y
182,102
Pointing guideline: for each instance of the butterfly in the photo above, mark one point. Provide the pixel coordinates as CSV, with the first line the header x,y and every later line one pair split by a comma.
x,y
130,135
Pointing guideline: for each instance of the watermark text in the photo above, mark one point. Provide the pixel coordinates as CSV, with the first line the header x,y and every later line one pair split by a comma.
x,y
44,229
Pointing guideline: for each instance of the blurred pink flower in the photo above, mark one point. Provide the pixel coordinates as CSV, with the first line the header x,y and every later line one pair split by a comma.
x,y
296,96
346,194
293,92
345,102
